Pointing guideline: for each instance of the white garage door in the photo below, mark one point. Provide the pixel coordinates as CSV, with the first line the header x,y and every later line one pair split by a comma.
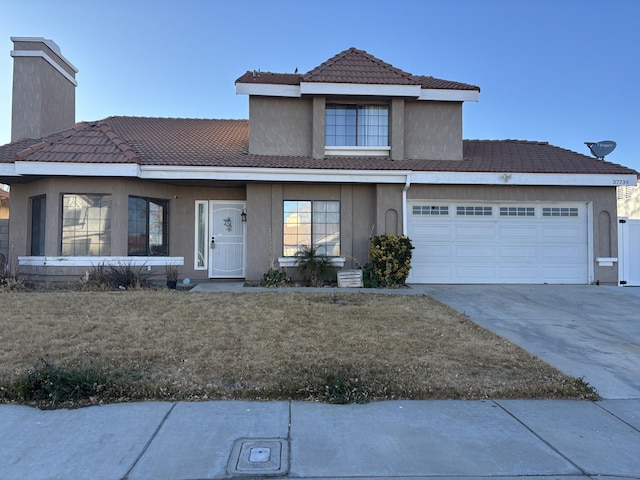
x,y
465,242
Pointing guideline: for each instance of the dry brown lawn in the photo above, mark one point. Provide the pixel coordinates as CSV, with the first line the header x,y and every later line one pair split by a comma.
x,y
329,346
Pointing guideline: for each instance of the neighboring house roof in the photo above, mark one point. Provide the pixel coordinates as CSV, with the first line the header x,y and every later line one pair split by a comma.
x,y
225,143
356,67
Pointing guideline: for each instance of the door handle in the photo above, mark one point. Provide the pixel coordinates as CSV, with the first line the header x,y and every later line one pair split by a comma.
x,y
213,242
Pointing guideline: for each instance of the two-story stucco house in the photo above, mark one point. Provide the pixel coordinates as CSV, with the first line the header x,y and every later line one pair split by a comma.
x,y
353,148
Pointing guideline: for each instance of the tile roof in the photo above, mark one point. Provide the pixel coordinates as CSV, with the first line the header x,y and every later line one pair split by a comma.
x,y
357,66
354,66
224,143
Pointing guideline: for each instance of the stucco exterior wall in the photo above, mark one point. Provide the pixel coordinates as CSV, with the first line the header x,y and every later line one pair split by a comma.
x,y
388,210
43,100
280,126
294,126
603,224
433,130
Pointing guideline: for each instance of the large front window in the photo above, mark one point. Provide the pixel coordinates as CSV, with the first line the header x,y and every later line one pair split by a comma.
x,y
357,125
148,226
311,224
86,224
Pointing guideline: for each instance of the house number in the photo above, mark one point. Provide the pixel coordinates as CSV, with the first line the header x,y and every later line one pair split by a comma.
x,y
621,182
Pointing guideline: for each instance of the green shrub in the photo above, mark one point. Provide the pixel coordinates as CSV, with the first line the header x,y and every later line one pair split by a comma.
x,y
274,278
390,261
314,268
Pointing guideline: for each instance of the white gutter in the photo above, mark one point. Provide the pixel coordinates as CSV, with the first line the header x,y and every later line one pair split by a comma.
x,y
407,184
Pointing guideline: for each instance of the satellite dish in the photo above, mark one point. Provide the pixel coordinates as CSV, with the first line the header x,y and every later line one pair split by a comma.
x,y
601,149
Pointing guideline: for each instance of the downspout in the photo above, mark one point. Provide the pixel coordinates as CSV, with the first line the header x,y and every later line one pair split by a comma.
x,y
407,184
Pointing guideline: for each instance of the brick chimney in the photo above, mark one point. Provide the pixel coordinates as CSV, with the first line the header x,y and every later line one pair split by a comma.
x,y
44,89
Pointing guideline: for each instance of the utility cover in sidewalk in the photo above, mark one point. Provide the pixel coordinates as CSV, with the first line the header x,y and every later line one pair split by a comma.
x,y
264,456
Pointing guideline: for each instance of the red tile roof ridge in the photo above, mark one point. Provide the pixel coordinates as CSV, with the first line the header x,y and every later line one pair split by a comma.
x,y
308,77
142,117
118,141
271,77
50,140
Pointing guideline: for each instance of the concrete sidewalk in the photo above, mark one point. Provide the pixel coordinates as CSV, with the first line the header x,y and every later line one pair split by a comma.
x,y
395,439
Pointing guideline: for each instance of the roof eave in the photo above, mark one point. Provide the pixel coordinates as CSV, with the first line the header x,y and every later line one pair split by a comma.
x,y
357,89
268,90
164,172
449,95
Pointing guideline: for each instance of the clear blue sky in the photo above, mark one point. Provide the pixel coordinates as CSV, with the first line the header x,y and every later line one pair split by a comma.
x,y
562,71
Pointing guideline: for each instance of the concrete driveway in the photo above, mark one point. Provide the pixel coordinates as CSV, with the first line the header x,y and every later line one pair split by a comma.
x,y
584,331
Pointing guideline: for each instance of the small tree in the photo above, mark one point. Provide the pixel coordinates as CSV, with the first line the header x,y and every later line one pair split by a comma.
x,y
390,261
314,268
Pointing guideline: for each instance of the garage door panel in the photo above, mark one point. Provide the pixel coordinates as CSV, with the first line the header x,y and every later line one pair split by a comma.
x,y
499,247
475,231
516,253
480,253
527,273
563,274
475,273
435,252
562,233
435,274
433,231
570,254
517,231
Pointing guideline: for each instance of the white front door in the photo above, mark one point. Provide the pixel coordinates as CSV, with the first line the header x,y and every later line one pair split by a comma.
x,y
226,239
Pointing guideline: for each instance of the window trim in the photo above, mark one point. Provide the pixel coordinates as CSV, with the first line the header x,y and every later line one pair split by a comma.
x,y
292,261
357,151
204,204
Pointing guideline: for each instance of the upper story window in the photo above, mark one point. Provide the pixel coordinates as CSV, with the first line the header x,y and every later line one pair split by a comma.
x,y
357,125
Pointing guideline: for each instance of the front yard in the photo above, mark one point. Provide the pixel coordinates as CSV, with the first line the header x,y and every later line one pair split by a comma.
x,y
332,347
